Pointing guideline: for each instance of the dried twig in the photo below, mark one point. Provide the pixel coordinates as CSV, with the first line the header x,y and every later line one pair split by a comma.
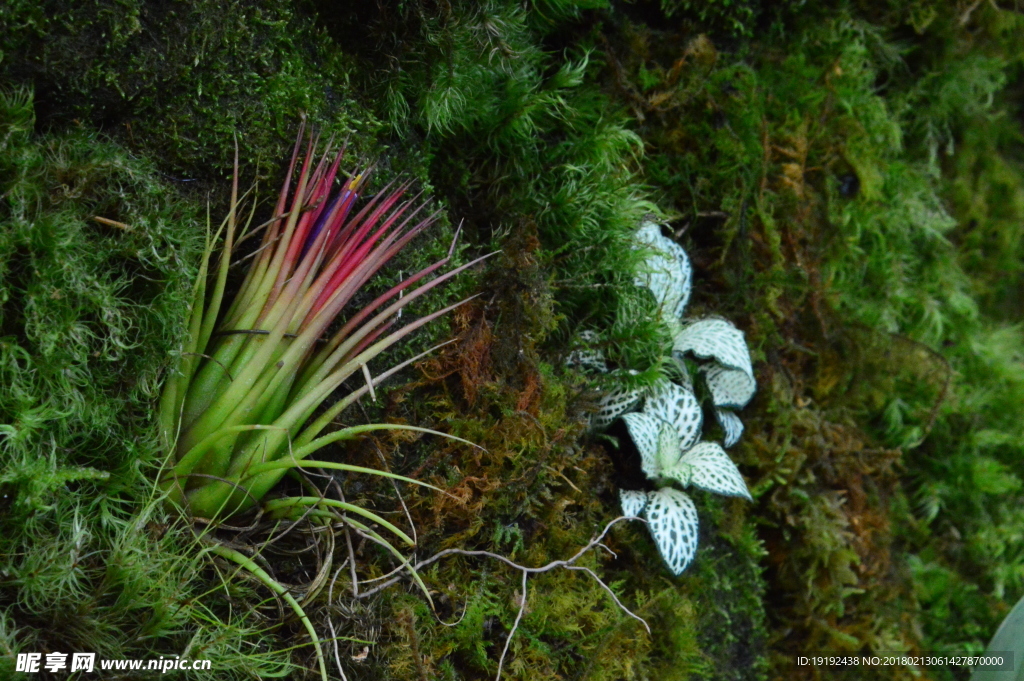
x,y
965,18
330,623
526,572
398,492
515,625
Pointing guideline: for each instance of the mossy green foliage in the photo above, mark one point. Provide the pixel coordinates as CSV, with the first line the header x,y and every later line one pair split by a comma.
x,y
813,171
182,83
179,81
847,180
489,153
730,18
517,139
535,495
526,146
89,314
89,309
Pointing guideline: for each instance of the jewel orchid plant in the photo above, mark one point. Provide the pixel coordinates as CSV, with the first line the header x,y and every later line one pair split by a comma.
x,y
241,407
667,430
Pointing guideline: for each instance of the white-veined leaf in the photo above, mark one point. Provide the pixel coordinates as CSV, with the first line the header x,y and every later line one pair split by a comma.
x,y
679,407
669,450
684,374
680,471
633,502
729,387
714,471
672,519
715,338
731,424
614,404
586,357
667,273
645,430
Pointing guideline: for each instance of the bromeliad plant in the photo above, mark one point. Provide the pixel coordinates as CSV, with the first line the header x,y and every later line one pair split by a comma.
x,y
240,409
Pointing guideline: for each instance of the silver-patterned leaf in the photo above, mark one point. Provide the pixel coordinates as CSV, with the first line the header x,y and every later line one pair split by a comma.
x,y
667,272
614,404
714,471
669,450
715,338
731,424
633,502
679,407
684,373
586,357
672,519
680,471
645,431
729,387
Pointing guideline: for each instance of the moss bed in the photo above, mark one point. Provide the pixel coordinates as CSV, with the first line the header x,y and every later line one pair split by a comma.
x,y
847,178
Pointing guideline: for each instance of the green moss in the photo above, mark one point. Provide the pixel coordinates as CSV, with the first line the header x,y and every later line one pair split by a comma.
x,y
90,311
847,182
89,315
180,81
807,174
732,18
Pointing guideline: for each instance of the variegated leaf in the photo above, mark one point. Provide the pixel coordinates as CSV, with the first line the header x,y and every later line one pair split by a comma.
x,y
679,407
614,404
714,471
680,471
667,273
633,502
731,424
586,357
656,440
684,373
715,338
645,431
729,387
669,450
672,519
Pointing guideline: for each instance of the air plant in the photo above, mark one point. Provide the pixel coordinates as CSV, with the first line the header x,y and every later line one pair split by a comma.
x,y
245,403
238,412
667,430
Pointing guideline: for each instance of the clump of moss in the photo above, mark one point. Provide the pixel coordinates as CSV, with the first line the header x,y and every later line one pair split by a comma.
x,y
732,18
179,81
89,314
516,138
90,310
844,186
813,200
